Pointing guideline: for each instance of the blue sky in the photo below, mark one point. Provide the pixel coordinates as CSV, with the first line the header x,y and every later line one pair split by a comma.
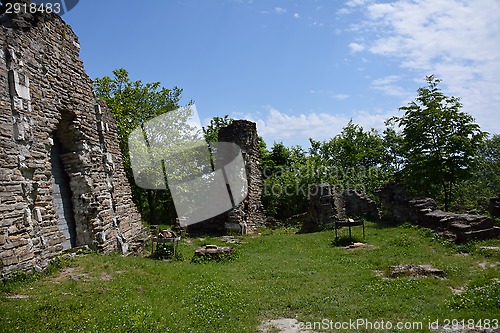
x,y
300,69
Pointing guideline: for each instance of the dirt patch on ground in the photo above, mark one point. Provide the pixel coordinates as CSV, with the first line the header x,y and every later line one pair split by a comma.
x,y
70,273
106,277
75,274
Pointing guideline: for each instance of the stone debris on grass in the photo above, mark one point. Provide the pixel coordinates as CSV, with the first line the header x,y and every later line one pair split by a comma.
x,y
18,296
457,291
485,264
492,248
213,251
359,246
231,239
413,270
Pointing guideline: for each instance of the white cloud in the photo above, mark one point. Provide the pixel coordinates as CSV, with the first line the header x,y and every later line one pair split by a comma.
x,y
388,85
344,11
296,15
355,3
340,97
278,126
329,93
457,40
356,47
297,129
279,10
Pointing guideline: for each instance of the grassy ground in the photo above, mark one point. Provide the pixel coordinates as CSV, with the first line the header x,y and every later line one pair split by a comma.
x,y
278,274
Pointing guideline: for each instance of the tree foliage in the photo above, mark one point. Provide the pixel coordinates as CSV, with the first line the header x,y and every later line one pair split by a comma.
x,y
352,160
435,149
133,103
440,142
216,123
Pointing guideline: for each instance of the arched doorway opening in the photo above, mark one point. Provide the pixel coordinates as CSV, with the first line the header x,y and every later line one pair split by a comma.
x,y
62,196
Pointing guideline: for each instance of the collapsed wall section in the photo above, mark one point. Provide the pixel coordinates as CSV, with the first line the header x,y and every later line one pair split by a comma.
x,y
46,98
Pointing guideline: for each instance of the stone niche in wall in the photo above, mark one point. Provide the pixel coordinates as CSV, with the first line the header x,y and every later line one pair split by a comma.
x,y
62,183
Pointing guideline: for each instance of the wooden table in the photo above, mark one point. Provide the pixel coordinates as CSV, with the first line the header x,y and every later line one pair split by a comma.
x,y
349,223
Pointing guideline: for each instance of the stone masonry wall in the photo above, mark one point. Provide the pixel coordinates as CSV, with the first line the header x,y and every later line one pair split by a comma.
x,y
46,96
326,205
244,134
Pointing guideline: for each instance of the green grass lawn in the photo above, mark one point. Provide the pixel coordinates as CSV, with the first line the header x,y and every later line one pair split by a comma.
x,y
277,274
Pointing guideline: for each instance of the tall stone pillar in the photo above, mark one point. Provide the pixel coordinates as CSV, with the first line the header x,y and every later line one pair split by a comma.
x,y
250,211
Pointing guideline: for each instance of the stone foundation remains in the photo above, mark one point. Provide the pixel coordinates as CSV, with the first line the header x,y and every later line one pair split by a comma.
x,y
62,183
328,206
398,206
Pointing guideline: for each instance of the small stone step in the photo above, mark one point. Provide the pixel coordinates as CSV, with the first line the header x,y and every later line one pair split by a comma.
x,y
478,234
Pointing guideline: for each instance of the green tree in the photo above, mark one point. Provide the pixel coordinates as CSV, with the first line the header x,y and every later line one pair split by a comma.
x,y
392,141
212,130
285,174
490,153
440,142
353,159
133,103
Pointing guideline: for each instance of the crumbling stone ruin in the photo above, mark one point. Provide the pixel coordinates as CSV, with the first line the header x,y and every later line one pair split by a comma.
x,y
495,206
62,183
249,214
328,205
398,206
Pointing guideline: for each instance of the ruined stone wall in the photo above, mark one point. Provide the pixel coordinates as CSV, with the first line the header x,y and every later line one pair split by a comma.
x,y
244,134
398,206
46,96
495,206
323,209
326,205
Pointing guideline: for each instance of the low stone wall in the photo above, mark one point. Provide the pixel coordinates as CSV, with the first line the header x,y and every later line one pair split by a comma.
x,y
327,206
398,206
